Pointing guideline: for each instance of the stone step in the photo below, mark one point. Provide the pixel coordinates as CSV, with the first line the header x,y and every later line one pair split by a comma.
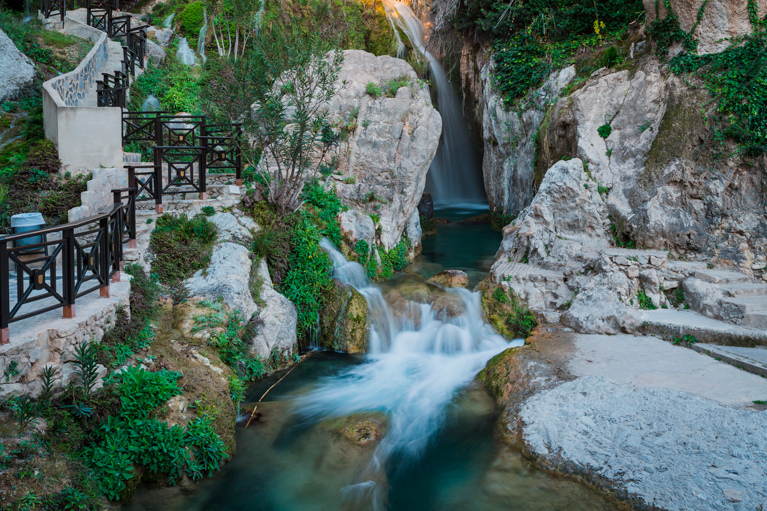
x,y
131,157
746,289
642,255
746,304
668,324
753,360
528,271
721,276
686,267
755,320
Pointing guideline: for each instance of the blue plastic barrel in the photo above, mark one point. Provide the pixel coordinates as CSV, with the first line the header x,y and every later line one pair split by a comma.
x,y
25,222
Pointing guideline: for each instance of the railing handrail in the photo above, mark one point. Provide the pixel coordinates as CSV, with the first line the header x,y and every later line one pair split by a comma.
x,y
62,227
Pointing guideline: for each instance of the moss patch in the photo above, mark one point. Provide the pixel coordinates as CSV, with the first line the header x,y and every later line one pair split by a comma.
x,y
507,313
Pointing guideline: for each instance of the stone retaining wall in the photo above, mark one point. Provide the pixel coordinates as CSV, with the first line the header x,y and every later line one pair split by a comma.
x,y
50,340
87,137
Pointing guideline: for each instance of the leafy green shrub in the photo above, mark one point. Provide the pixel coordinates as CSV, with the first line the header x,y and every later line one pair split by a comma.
x,y
373,89
181,246
43,155
362,249
735,78
326,206
308,280
86,367
141,391
191,21
508,314
610,57
604,130
644,301
133,438
395,84
208,211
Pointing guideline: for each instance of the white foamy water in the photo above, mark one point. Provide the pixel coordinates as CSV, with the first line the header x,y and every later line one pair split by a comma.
x,y
415,367
185,54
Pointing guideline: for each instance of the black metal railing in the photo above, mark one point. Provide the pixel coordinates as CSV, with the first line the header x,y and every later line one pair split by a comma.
x,y
50,8
183,169
112,90
51,268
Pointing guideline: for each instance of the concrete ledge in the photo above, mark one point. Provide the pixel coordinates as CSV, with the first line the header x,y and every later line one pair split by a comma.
x,y
670,323
49,340
753,360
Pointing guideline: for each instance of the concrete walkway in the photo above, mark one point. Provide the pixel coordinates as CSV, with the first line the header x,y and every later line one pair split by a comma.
x,y
652,362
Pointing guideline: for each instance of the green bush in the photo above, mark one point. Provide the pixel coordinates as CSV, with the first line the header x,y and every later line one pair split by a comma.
x,y
395,84
191,21
133,438
373,89
604,130
181,246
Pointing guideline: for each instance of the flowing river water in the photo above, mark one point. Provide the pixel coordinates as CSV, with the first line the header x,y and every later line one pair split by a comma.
x,y
402,428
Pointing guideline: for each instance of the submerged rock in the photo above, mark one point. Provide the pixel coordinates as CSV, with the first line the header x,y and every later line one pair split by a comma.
x,y
451,278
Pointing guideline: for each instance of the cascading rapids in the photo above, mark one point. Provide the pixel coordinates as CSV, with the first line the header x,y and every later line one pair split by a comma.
x,y
416,365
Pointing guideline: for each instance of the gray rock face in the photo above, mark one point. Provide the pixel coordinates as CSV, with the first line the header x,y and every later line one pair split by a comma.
x,y
16,70
155,51
508,165
234,228
357,226
278,320
642,435
567,216
393,142
164,36
600,309
227,276
722,19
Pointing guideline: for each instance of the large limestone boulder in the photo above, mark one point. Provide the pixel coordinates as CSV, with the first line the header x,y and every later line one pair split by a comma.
x,y
345,322
567,218
720,20
16,70
391,142
226,277
277,320
601,307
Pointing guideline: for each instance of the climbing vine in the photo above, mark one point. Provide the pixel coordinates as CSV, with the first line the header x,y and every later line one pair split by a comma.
x,y
666,31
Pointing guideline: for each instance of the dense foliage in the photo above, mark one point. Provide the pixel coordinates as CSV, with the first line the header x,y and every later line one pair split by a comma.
x,y
737,78
181,246
134,437
534,37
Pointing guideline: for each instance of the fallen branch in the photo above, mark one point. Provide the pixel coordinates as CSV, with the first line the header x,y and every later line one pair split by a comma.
x,y
253,413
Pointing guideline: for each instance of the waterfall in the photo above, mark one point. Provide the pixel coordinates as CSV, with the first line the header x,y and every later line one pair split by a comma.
x,y
415,367
260,15
400,44
201,37
455,175
185,53
27,16
168,23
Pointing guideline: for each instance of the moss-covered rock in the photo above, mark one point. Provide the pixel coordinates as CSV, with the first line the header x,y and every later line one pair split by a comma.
x,y
503,309
360,429
345,322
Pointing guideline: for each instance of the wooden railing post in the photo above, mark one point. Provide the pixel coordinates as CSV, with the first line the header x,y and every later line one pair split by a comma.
x,y
158,180
203,173
116,237
238,161
68,272
5,293
104,256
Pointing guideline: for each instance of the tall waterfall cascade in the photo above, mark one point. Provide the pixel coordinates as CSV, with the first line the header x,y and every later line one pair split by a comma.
x,y
455,175
417,363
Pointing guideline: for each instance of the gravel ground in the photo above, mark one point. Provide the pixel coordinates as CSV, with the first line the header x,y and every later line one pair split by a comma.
x,y
675,450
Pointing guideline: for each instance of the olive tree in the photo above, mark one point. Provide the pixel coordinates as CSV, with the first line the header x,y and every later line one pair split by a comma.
x,y
278,91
